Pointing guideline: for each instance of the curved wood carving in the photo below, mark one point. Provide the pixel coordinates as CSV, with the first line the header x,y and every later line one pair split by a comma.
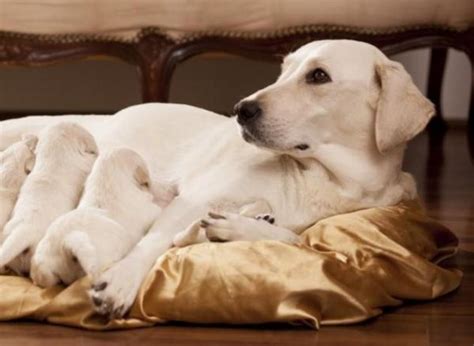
x,y
156,55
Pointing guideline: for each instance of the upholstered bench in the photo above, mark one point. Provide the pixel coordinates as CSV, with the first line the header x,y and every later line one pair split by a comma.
x,y
156,35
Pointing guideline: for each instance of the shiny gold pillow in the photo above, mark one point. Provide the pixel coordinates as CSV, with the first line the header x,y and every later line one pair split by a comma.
x,y
350,267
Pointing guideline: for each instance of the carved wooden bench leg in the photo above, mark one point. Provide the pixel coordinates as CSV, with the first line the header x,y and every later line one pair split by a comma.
x,y
470,121
156,65
437,125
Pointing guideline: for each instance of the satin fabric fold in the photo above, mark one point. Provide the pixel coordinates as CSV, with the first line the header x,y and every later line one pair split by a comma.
x,y
348,269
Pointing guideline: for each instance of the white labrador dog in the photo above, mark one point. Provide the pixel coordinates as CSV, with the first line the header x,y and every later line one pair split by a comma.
x,y
16,163
327,137
114,213
64,157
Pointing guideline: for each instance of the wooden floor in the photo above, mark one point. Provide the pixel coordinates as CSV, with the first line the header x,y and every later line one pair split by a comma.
x,y
446,182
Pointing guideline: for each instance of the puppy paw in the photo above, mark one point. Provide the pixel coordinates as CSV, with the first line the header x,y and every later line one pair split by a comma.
x,y
40,275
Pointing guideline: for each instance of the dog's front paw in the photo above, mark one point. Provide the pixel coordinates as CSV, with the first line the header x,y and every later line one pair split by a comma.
x,y
266,217
113,292
223,227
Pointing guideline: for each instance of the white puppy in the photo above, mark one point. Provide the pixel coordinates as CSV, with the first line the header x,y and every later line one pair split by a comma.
x,y
64,156
114,213
327,137
16,163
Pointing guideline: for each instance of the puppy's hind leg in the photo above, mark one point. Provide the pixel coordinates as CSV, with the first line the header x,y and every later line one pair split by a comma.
x,y
16,243
79,245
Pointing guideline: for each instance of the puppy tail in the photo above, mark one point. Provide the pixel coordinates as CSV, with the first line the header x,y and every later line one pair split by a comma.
x,y
81,248
15,244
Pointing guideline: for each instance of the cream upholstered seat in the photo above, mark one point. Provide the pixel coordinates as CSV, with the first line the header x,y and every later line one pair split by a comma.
x,y
124,18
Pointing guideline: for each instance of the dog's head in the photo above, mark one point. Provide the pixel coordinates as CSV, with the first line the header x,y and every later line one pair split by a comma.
x,y
338,92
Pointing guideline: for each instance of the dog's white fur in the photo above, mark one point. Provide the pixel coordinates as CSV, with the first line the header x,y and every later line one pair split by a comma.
x,y
16,163
355,128
64,157
114,213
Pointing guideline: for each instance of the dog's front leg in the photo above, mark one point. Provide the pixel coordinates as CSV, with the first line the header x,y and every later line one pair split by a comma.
x,y
114,291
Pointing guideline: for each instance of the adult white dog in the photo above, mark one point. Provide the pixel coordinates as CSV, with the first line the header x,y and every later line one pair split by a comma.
x,y
327,137
64,157
114,213
16,163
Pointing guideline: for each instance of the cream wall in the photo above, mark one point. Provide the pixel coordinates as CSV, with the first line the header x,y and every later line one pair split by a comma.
x,y
207,82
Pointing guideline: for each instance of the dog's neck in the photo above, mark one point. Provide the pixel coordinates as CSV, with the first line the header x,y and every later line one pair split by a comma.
x,y
360,172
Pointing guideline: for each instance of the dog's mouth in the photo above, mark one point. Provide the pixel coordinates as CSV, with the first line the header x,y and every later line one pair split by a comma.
x,y
248,136
302,147
253,136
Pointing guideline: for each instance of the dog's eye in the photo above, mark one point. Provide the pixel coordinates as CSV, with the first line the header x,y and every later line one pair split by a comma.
x,y
318,76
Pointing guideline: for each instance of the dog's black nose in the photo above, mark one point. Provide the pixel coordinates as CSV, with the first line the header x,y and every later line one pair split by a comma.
x,y
246,111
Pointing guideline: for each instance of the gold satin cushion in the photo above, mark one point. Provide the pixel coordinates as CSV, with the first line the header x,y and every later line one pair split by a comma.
x,y
349,268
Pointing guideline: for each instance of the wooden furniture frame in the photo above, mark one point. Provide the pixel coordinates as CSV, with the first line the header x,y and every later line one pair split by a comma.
x,y
157,55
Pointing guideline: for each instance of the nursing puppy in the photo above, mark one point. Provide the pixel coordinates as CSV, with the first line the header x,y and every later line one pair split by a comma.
x,y
16,163
64,156
114,213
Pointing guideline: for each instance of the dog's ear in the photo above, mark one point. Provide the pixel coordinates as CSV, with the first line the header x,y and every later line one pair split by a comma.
x,y
142,176
402,110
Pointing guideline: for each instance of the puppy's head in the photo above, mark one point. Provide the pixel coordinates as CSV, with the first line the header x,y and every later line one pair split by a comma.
x,y
68,142
335,92
122,165
16,162
124,174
